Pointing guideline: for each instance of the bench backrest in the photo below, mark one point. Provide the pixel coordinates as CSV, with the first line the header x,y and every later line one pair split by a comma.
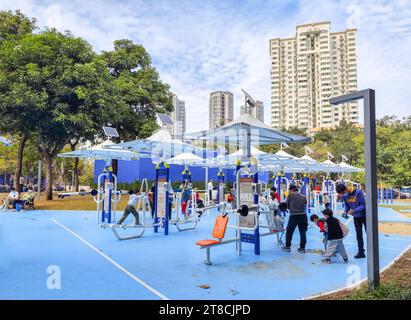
x,y
220,226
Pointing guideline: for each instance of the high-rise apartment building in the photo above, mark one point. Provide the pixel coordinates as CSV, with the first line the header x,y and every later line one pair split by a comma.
x,y
220,109
179,118
306,71
257,111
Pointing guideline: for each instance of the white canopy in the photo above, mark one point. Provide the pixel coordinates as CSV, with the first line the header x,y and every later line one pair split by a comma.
x,y
101,152
5,141
187,158
248,130
284,154
345,167
159,143
308,158
254,152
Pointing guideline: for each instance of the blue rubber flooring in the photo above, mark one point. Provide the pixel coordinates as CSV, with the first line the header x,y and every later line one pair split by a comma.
x,y
93,264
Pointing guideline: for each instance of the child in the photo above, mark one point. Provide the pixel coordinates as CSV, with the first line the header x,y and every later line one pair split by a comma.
x,y
130,208
230,199
185,201
321,224
199,200
335,237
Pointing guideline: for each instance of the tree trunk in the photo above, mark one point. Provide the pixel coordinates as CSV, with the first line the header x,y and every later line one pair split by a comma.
x,y
49,175
22,142
114,165
76,180
75,168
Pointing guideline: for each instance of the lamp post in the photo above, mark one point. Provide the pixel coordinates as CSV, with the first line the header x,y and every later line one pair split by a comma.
x,y
368,96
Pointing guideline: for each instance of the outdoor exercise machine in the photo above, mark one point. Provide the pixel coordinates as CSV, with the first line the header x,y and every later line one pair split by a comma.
x,y
106,196
247,217
283,184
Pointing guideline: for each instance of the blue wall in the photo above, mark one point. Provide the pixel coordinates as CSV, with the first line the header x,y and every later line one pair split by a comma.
x,y
129,171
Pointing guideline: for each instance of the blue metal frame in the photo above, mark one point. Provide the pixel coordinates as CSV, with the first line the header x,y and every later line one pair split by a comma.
x,y
162,171
108,173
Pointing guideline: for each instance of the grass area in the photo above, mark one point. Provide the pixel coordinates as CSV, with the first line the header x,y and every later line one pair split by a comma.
x,y
398,228
385,292
395,284
76,202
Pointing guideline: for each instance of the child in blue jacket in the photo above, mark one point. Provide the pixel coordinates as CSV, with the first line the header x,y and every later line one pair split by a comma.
x,y
354,204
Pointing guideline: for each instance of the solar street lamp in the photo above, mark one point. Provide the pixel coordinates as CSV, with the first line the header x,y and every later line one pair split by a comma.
x,y
368,96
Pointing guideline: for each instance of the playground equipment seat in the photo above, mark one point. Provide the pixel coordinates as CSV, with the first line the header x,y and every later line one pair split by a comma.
x,y
220,227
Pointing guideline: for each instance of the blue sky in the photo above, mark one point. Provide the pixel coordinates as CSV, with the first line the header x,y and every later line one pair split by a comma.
x,y
202,46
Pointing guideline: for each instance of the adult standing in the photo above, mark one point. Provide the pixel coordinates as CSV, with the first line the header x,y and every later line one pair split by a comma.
x,y
21,183
354,204
210,188
296,203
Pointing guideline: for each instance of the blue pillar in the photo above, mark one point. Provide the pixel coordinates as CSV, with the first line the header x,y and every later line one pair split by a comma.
x,y
257,231
279,177
102,183
162,175
110,192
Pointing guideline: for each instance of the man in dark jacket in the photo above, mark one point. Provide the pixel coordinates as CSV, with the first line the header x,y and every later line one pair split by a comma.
x,y
354,204
296,204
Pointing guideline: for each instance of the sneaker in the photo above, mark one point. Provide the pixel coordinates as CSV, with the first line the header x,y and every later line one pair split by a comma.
x,y
345,260
326,260
287,249
301,250
359,255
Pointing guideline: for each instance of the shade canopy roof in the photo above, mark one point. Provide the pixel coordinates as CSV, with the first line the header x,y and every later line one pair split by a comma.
x,y
160,142
101,152
345,167
5,141
246,127
254,152
187,158
308,158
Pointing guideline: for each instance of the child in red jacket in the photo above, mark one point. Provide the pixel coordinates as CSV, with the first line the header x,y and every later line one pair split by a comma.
x,y
321,224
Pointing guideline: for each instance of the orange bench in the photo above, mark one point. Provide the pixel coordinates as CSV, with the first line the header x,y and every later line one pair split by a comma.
x,y
220,226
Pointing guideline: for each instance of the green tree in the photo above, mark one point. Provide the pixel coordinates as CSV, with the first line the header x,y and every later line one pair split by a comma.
x,y
69,91
15,96
15,24
140,92
295,149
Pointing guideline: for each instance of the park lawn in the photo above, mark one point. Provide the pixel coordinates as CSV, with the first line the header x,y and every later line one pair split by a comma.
x,y
73,203
395,281
395,284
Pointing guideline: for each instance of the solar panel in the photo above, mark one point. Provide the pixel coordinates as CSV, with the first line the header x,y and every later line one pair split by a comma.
x,y
308,150
164,119
110,132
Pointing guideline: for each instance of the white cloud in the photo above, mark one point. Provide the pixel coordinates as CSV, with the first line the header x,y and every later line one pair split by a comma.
x,y
199,47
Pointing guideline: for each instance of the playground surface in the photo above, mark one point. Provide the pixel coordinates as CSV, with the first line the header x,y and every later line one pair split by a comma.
x,y
95,265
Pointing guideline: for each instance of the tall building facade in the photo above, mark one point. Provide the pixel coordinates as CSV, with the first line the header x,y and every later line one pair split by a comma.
x,y
257,111
179,118
306,71
221,106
